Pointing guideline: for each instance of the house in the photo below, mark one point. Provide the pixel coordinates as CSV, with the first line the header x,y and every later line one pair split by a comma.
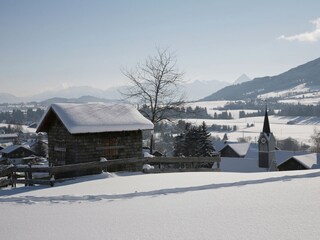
x,y
237,150
299,162
16,151
8,137
79,133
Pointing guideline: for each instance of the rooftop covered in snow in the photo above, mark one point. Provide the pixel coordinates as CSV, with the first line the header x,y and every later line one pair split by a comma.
x,y
95,117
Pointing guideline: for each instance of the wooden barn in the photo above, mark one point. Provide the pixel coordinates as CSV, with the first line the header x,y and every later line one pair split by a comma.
x,y
79,133
301,162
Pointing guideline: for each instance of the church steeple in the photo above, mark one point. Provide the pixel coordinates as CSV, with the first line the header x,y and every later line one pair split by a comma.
x,y
266,125
267,144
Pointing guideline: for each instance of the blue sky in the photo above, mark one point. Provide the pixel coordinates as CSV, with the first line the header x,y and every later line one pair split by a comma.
x,y
52,44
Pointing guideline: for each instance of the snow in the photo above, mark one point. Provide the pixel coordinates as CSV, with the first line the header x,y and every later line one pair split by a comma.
x,y
147,167
206,205
98,117
307,160
301,131
243,165
286,93
13,148
240,148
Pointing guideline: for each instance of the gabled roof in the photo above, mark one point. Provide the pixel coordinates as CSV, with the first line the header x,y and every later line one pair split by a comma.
x,y
307,160
8,135
240,148
12,148
95,117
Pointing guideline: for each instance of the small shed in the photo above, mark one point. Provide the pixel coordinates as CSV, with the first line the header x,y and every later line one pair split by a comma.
x,y
301,162
79,133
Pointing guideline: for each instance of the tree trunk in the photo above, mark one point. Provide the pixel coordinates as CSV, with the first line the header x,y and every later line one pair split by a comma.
x,y
151,143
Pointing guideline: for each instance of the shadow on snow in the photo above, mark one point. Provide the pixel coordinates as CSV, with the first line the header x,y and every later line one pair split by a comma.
x,y
154,193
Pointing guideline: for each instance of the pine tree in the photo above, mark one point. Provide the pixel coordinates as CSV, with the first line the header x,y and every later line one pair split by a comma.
x,y
179,145
204,146
191,141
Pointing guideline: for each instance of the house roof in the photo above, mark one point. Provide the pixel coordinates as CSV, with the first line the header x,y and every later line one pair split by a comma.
x,y
95,117
307,160
240,148
12,148
8,135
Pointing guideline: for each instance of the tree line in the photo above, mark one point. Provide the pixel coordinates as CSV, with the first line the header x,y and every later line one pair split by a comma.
x,y
20,117
195,141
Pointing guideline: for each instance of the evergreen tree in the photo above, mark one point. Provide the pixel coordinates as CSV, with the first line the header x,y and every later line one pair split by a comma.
x,y
190,141
204,143
179,145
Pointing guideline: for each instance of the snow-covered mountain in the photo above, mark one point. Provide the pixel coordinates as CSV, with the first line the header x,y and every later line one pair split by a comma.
x,y
9,98
299,82
198,89
243,78
77,92
194,91
67,93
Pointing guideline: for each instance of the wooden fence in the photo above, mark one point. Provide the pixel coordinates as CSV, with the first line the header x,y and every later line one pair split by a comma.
x,y
154,165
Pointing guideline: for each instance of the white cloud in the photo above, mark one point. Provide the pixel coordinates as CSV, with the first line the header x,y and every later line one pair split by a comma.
x,y
313,36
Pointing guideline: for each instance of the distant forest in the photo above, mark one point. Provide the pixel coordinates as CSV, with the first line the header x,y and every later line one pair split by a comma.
x,y
283,109
20,117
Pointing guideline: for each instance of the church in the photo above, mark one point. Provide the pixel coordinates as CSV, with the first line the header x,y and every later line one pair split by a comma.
x,y
264,155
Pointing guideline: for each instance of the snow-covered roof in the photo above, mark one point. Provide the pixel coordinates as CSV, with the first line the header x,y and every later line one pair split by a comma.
x,y
240,148
96,117
9,135
307,160
12,148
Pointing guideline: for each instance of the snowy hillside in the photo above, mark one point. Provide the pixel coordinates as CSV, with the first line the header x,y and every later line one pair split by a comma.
x,y
277,205
301,130
306,75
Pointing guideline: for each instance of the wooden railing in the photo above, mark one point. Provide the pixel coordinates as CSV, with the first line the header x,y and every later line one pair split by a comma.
x,y
157,164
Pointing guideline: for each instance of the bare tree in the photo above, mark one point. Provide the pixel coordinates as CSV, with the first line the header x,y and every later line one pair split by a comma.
x,y
315,138
155,84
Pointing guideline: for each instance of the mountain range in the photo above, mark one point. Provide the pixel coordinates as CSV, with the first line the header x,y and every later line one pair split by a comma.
x,y
194,91
299,82
296,82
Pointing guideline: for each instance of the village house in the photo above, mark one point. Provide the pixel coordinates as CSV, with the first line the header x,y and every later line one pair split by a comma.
x,y
8,137
15,153
300,162
80,133
238,150
263,155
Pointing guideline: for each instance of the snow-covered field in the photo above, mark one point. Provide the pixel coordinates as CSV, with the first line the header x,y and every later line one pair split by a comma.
x,y
302,129
215,205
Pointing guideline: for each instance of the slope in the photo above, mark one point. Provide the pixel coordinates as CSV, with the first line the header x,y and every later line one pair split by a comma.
x,y
278,205
308,74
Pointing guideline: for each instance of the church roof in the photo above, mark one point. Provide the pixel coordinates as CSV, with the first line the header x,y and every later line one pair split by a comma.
x,y
266,125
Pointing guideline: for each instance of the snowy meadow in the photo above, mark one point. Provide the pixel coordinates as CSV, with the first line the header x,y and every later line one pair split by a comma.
x,y
301,129
212,205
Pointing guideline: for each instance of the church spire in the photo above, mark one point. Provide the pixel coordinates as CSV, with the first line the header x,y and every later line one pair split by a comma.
x,y
266,125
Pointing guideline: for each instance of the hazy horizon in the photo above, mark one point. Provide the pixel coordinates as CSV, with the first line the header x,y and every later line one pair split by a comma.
x,y
49,45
